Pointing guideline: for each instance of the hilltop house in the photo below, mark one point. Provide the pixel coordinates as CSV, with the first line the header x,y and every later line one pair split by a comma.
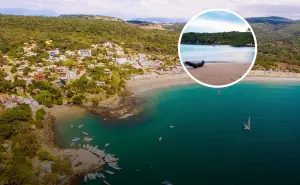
x,y
54,52
39,76
62,57
99,83
108,72
100,65
10,101
121,61
62,70
70,53
85,52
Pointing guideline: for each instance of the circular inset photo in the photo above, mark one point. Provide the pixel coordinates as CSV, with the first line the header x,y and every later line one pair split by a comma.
x,y
217,48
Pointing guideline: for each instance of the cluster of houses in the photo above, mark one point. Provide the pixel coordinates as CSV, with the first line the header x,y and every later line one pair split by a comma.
x,y
10,101
49,67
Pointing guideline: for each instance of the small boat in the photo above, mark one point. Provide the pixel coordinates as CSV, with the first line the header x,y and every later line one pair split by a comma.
x,y
80,126
85,133
171,126
107,144
166,183
75,139
101,174
85,178
105,182
247,126
109,172
160,138
98,175
116,168
71,126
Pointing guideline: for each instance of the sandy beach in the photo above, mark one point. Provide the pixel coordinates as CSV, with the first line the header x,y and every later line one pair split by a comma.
x,y
165,81
60,111
219,73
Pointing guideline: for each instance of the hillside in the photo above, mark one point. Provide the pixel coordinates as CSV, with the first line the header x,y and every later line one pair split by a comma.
x,y
160,20
278,42
71,33
97,17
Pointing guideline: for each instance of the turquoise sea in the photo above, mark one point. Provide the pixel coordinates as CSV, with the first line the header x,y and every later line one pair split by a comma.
x,y
207,144
217,53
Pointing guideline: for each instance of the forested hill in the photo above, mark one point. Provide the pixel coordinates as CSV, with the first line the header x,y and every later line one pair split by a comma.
x,y
278,42
74,33
274,20
223,38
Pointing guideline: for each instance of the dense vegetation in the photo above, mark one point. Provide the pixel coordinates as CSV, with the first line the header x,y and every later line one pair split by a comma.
x,y
15,120
274,20
15,125
224,38
76,33
278,42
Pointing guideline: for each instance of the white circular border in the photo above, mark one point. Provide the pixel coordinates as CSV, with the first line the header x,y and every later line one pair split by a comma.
x,y
217,86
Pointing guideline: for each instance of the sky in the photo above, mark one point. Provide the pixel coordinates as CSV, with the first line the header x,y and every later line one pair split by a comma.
x,y
186,9
216,21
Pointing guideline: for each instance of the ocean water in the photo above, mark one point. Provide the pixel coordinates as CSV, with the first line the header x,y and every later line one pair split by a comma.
x,y
207,144
218,53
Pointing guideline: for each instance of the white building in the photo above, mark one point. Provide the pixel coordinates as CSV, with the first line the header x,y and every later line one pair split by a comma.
x,y
85,52
91,66
121,61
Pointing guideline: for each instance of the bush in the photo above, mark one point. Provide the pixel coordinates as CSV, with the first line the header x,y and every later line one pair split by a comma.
x,y
59,101
39,115
45,155
62,167
25,145
18,171
70,94
51,179
78,99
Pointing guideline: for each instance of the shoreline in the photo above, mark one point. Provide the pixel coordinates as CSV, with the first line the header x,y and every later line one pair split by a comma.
x,y
166,81
82,161
61,111
129,103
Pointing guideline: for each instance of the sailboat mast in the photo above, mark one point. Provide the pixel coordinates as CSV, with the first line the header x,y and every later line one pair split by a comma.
x,y
249,122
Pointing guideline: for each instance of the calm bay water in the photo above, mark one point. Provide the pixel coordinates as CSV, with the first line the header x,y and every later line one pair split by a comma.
x,y
219,53
207,144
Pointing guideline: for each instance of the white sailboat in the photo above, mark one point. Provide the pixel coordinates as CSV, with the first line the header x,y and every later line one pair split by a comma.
x,y
247,126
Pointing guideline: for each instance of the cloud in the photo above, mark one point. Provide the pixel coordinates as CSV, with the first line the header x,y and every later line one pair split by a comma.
x,y
160,8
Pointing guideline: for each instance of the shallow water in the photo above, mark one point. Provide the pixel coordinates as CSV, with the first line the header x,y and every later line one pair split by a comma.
x,y
207,144
218,53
